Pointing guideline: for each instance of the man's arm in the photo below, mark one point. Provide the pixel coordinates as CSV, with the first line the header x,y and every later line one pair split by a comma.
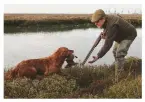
x,y
109,41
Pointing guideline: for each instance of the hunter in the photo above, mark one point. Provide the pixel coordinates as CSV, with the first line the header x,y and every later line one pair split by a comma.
x,y
115,28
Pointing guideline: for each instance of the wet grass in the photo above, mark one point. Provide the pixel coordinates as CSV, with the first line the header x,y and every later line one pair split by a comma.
x,y
81,82
55,22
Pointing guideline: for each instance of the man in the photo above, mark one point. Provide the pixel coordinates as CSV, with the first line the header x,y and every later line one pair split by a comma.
x,y
115,29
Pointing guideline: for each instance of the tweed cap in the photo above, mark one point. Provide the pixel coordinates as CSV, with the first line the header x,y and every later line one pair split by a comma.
x,y
98,14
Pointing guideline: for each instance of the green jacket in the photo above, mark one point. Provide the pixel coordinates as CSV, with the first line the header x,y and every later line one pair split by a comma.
x,y
116,29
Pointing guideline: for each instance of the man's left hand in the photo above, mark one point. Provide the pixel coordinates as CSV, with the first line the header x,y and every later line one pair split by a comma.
x,y
95,58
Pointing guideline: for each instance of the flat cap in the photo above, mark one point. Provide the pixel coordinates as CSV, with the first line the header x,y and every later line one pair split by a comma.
x,y
98,14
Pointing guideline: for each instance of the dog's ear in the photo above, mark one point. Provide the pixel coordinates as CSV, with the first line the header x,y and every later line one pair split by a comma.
x,y
72,51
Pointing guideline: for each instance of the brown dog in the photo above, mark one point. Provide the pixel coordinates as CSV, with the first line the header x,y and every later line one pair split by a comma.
x,y
43,66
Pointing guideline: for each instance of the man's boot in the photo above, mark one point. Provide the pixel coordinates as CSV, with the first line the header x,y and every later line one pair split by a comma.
x,y
119,68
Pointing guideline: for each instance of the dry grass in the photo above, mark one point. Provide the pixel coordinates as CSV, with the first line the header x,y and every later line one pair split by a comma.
x,y
38,17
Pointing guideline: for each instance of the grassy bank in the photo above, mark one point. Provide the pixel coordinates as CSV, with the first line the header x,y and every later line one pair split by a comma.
x,y
55,22
86,82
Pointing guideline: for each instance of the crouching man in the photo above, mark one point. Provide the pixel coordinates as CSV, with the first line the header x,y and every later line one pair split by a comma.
x,y
115,29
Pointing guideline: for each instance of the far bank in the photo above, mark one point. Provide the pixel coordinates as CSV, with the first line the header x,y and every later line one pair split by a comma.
x,y
14,23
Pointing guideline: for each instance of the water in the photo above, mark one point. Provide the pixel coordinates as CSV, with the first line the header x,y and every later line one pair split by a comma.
x,y
22,46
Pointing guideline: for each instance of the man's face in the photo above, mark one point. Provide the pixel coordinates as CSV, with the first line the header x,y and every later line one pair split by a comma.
x,y
100,23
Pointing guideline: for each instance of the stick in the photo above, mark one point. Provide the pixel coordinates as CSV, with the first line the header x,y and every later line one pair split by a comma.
x,y
93,47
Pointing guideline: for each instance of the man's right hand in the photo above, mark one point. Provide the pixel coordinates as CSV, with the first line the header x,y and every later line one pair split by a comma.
x,y
95,58
103,35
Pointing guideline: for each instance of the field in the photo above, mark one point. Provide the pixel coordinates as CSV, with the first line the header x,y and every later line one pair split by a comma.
x,y
56,22
81,82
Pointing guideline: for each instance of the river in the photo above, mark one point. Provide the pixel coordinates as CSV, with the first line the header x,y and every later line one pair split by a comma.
x,y
22,46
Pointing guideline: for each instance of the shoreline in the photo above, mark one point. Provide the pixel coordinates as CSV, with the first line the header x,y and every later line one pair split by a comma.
x,y
14,23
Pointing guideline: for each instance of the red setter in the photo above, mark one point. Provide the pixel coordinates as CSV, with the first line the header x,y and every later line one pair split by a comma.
x,y
42,66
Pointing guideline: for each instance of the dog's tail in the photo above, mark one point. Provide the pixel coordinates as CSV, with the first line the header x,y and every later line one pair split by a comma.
x,y
10,74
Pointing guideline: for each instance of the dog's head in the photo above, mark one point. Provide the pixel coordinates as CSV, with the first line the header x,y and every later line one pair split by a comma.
x,y
67,55
64,52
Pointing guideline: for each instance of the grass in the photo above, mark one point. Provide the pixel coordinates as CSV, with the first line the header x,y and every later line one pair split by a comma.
x,y
55,22
126,88
81,82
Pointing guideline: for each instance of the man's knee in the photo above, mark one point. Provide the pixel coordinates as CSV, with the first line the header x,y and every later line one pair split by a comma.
x,y
123,48
115,49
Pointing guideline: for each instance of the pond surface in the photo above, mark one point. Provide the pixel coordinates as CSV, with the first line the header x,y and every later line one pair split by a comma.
x,y
22,46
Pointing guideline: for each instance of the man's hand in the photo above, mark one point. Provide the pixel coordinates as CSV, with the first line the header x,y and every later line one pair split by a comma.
x,y
103,35
95,58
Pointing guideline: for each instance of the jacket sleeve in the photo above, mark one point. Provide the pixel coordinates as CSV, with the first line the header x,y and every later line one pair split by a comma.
x,y
110,36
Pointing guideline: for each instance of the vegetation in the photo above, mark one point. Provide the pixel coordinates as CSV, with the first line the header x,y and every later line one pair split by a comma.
x,y
55,22
81,82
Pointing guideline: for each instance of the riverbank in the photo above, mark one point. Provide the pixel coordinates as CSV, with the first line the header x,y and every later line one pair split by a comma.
x,y
87,82
55,22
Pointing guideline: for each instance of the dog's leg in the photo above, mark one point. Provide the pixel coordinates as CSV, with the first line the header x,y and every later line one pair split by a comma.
x,y
46,73
46,70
